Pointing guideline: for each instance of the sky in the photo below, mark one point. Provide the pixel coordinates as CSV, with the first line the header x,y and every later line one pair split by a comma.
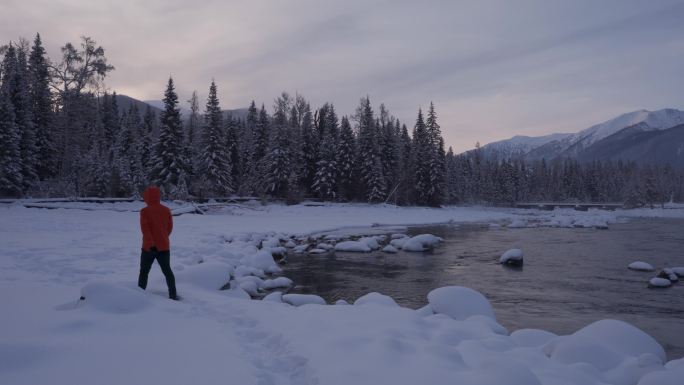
x,y
493,68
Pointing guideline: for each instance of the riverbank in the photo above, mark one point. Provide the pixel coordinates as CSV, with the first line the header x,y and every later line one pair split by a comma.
x,y
123,335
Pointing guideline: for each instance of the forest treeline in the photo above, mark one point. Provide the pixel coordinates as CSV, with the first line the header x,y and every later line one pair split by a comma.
x,y
63,134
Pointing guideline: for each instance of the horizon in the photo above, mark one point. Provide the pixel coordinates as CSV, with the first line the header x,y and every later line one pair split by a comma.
x,y
494,70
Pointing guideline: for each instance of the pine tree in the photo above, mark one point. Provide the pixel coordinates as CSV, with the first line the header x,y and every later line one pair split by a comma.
x,y
278,167
214,169
10,156
145,148
437,158
191,134
168,150
346,152
422,156
326,178
15,85
41,98
370,163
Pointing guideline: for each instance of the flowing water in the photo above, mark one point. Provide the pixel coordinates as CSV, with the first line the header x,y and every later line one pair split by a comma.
x,y
571,277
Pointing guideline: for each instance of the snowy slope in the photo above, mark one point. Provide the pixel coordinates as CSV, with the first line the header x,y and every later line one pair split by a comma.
x,y
519,145
570,145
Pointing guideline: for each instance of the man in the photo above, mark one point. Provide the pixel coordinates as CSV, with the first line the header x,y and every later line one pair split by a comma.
x,y
156,224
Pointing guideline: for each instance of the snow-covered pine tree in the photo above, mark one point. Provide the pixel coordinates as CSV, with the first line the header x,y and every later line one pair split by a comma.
x,y
346,153
405,189
214,169
168,150
192,132
309,150
422,156
232,149
15,84
437,161
10,156
327,172
41,99
145,144
278,168
370,162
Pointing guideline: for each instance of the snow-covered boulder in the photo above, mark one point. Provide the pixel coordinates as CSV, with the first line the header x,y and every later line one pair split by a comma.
x,y
399,242
459,302
375,299
276,296
278,251
372,242
317,251
262,260
113,298
422,242
325,246
604,344
251,287
390,249
659,282
512,257
425,310
640,266
532,338
353,246
207,275
300,249
670,376
277,282
398,236
668,274
303,299
290,244
341,302
679,271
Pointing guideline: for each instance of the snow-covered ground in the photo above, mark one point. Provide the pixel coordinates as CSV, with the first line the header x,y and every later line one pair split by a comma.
x,y
122,335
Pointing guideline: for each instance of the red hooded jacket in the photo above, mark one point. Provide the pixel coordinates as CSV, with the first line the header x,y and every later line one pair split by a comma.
x,y
156,222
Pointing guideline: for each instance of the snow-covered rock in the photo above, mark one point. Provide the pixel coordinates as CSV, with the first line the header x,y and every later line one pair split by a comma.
x,y
668,274
290,244
640,266
679,271
532,337
341,302
251,287
372,242
375,299
425,310
422,242
207,275
303,299
659,282
325,246
317,251
300,249
670,376
399,242
398,236
459,302
353,246
276,296
114,298
604,344
262,260
390,249
277,282
512,257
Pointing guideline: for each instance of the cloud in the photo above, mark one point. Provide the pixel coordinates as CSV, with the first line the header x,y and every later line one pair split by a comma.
x,y
494,68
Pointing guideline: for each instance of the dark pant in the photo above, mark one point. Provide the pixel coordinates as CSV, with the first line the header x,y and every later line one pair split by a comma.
x,y
164,258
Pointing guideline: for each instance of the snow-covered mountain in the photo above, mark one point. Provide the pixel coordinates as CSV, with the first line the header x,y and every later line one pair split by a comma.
x,y
572,145
519,145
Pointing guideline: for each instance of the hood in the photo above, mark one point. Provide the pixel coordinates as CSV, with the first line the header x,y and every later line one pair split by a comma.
x,y
152,195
